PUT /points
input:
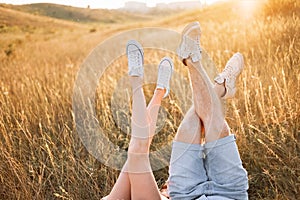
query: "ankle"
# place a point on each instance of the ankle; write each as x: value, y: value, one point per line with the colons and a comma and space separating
x: 160, y: 92
x: 136, y: 82
x: 220, y: 89
x: 139, y: 145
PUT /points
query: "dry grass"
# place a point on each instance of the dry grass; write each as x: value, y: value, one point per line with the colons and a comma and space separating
x: 43, y: 158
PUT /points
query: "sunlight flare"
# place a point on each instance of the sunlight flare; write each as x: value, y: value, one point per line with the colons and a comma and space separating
x: 248, y: 7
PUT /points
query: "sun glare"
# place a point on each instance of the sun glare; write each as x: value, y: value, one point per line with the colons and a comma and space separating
x: 248, y: 7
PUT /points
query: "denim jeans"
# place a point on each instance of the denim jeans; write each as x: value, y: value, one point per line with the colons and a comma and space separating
x: 212, y: 171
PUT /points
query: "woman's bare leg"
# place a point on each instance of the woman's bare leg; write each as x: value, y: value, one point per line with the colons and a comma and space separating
x: 138, y: 152
x: 143, y: 185
x: 136, y: 181
x: 153, y: 108
x: 122, y: 187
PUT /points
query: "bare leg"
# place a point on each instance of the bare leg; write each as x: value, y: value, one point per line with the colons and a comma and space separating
x: 153, y: 108
x: 143, y: 185
x: 220, y: 89
x: 189, y: 130
x: 136, y: 180
x: 207, y: 103
x: 122, y: 187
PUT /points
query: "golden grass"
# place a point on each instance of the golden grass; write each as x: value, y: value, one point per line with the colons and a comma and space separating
x: 42, y: 156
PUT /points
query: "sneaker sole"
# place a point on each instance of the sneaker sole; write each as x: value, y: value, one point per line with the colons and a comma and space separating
x: 241, y: 58
x: 169, y: 60
x: 190, y: 27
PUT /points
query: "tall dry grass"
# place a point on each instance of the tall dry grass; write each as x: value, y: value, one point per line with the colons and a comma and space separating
x: 42, y: 156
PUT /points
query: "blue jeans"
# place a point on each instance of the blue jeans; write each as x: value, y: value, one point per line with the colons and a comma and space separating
x: 212, y: 171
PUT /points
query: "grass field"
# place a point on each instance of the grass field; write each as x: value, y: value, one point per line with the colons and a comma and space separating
x: 41, y: 155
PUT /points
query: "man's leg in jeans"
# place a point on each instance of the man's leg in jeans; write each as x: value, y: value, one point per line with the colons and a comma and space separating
x: 187, y: 171
x: 222, y: 162
x: 188, y: 178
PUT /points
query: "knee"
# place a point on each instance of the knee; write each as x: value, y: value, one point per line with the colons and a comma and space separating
x: 189, y: 132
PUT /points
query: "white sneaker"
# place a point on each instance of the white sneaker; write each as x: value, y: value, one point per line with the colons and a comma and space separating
x: 229, y: 75
x: 165, y: 70
x: 135, y: 55
x: 190, y: 42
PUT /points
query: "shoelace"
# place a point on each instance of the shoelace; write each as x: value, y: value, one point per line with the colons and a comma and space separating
x: 191, y: 43
x: 164, y: 75
x: 198, y: 43
x: 135, y: 58
x: 228, y: 71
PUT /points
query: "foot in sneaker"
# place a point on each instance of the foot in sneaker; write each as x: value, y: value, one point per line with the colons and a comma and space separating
x: 228, y: 76
x: 190, y: 43
x: 135, y: 55
x: 165, y: 70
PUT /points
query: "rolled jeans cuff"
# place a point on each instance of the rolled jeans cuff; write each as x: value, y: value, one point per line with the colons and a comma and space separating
x: 220, y: 142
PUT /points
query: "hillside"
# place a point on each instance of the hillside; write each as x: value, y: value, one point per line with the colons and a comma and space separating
x: 13, y: 21
x: 39, y: 14
x: 82, y: 15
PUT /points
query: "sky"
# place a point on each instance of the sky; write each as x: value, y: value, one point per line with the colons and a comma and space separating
x: 110, y: 4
